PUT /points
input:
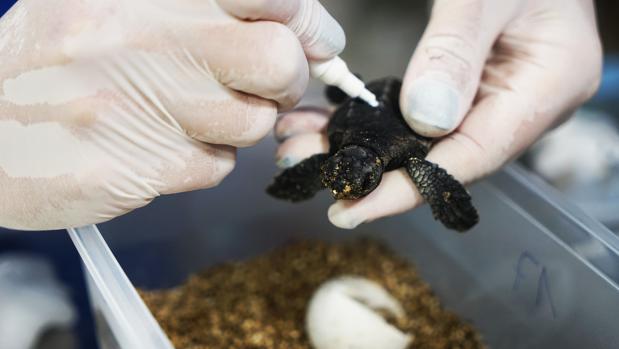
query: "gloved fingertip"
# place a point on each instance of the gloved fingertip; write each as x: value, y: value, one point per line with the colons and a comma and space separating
x: 343, y: 217
x: 320, y: 34
x: 301, y: 121
x: 432, y: 107
x: 286, y: 162
x: 331, y: 42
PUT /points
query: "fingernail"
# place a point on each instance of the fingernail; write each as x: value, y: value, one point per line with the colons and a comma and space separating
x: 432, y: 107
x: 281, y: 137
x: 286, y: 162
x: 342, y: 217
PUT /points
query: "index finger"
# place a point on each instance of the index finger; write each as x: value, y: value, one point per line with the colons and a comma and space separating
x: 320, y: 35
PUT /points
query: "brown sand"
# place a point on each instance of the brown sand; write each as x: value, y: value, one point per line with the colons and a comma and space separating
x: 261, y: 303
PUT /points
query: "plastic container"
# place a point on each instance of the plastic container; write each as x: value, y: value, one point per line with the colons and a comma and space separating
x: 535, y: 273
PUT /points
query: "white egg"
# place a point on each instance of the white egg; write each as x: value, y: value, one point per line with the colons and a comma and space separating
x: 341, y: 315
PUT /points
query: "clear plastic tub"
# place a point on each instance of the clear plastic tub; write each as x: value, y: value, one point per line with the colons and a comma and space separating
x: 535, y: 273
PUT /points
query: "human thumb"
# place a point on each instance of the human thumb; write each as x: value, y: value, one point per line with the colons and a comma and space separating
x: 444, y: 73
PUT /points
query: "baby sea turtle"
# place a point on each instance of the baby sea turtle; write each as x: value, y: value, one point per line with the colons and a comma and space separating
x: 364, y: 143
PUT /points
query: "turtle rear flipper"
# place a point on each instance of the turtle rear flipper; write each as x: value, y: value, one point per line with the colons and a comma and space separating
x: 448, y: 199
x: 299, y: 182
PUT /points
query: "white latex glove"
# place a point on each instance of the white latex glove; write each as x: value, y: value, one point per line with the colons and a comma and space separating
x: 496, y: 73
x: 105, y: 105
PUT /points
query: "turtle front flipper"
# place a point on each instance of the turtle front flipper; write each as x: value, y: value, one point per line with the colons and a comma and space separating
x: 448, y: 199
x: 299, y: 182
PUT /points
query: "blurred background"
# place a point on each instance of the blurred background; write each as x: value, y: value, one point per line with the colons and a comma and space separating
x: 580, y: 158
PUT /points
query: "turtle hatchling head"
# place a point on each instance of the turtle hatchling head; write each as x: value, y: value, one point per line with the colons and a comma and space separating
x: 352, y: 173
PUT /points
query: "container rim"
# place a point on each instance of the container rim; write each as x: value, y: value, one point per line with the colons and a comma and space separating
x: 580, y: 234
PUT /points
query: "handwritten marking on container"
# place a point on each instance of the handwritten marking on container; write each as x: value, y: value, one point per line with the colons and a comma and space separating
x: 543, y: 297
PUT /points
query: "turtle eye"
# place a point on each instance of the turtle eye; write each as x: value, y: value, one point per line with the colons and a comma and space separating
x: 372, y: 176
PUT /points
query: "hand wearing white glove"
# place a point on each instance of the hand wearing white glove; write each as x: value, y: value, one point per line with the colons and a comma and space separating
x: 491, y: 75
x: 105, y: 105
